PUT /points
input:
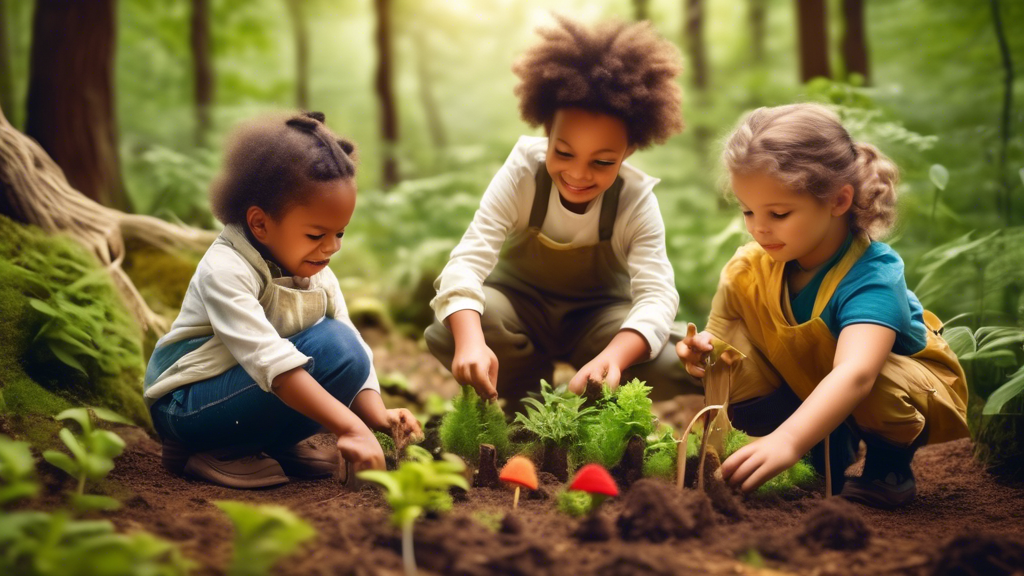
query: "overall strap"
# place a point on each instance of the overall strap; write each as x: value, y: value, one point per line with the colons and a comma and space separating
x: 540, y: 198
x: 609, y: 209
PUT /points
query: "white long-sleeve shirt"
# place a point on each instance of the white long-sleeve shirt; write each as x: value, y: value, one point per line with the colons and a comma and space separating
x: 638, y: 241
x: 225, y: 299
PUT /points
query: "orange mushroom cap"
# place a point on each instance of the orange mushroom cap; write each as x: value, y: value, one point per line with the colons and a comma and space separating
x: 519, y: 470
x: 594, y: 479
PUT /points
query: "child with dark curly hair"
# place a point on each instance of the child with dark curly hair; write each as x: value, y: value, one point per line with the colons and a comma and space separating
x: 263, y: 353
x: 565, y: 259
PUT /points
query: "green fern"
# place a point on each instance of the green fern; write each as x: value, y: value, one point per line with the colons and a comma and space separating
x: 473, y: 422
x: 556, y: 417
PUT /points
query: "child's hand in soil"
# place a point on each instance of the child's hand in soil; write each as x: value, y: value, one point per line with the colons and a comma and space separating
x: 760, y: 461
x: 361, y: 448
x: 405, y: 429
x: 692, y: 349
x: 600, y: 370
x: 476, y: 365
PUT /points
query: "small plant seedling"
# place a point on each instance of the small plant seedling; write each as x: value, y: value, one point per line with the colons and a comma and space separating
x: 595, y: 480
x: 660, y: 455
x: 43, y: 544
x: 521, y: 473
x: 473, y: 422
x: 619, y: 416
x: 264, y: 535
x: 93, y: 454
x: 420, y: 483
x: 574, y: 503
x: 17, y: 468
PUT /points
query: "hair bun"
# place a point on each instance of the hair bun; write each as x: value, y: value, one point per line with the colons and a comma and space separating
x: 347, y: 147
x: 318, y: 116
x: 303, y: 123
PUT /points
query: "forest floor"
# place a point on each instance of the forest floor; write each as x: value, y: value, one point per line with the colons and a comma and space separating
x: 800, y: 534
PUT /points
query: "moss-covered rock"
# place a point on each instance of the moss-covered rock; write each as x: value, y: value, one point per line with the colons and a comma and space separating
x: 66, y: 336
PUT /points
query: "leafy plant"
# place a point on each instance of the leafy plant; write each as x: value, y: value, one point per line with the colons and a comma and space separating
x: 42, y: 544
x: 574, y: 502
x: 556, y: 416
x: 473, y: 422
x: 264, y: 535
x: 661, y: 455
x: 92, y: 454
x: 619, y: 416
x: 419, y: 484
x: 17, y: 467
x: 988, y: 355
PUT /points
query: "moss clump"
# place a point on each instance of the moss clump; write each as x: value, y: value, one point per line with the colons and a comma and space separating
x: 620, y: 415
x: 661, y: 456
x: 66, y: 336
x: 473, y: 422
x: 574, y: 502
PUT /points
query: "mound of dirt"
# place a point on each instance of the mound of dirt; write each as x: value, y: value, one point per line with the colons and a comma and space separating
x: 655, y: 510
x: 835, y: 524
x: 981, y: 554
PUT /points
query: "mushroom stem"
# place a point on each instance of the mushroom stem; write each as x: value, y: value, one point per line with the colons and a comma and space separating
x: 515, y: 499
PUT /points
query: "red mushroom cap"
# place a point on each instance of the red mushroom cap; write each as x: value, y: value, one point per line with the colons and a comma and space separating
x: 520, y: 470
x: 594, y: 479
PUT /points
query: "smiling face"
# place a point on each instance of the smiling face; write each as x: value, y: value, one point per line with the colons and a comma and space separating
x: 585, y: 151
x: 792, y: 225
x: 308, y: 234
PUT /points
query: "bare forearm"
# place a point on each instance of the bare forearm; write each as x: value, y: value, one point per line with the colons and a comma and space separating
x: 627, y: 348
x: 466, y: 328
x: 300, y: 391
x: 369, y: 406
x: 828, y: 405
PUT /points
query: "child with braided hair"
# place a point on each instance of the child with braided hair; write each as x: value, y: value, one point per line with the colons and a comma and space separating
x: 263, y: 353
x: 835, y: 343
x: 565, y: 258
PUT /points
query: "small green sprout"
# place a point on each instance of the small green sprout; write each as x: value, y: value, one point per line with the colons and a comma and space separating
x: 473, y: 422
x: 94, y: 451
x: 620, y: 415
x: 17, y: 467
x: 574, y: 503
x: 264, y: 535
x: 661, y: 455
x: 556, y: 417
x: 420, y: 483
x: 42, y: 544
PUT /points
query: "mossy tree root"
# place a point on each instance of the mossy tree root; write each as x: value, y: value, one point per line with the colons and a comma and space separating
x: 33, y: 190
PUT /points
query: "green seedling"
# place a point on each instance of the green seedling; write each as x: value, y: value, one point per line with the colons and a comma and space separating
x: 419, y: 484
x: 574, y: 503
x: 42, y: 544
x: 264, y: 535
x: 619, y: 416
x: 92, y: 454
x: 473, y: 422
x: 556, y: 417
x: 17, y: 468
x: 660, y: 455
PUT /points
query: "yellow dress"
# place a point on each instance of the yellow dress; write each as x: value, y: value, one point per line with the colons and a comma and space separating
x: 751, y: 311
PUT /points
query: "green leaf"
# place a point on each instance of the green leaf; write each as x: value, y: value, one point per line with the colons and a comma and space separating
x: 998, y: 400
x: 89, y: 502
x: 1000, y: 358
x: 961, y: 340
x: 385, y: 479
x: 105, y: 443
x: 62, y: 461
x: 66, y: 357
x: 80, y: 415
x: 1021, y: 174
x: 108, y: 415
x: 71, y: 441
x: 43, y: 307
x: 17, y: 491
x: 939, y: 176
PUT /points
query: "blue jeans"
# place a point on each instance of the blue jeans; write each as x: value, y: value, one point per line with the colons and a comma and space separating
x: 230, y: 409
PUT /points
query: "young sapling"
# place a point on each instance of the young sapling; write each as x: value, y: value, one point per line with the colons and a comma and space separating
x: 93, y: 454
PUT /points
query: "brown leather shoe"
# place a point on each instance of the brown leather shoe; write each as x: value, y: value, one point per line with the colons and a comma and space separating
x: 228, y: 467
x: 307, y: 460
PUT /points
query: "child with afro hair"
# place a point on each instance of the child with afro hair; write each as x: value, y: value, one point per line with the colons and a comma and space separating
x: 565, y: 259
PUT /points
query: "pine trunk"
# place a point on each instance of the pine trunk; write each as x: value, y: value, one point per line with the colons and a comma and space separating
x: 812, y: 29
x: 855, y: 48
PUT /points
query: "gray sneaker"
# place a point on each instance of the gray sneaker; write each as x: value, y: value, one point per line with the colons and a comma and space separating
x: 227, y: 467
x: 307, y: 460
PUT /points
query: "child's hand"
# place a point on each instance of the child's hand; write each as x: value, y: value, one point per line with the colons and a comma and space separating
x: 404, y: 426
x: 760, y: 461
x: 361, y: 448
x: 691, y: 350
x: 601, y: 370
x: 476, y: 365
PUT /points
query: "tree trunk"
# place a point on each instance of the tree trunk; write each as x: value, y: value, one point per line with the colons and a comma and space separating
x: 384, y: 88
x: 812, y: 28
x: 33, y: 190
x: 640, y: 10
x: 71, y: 98
x: 756, y: 18
x: 1006, y: 205
x: 301, y: 32
x: 6, y: 82
x: 855, y: 48
x: 202, y: 65
x: 425, y: 78
x: 694, y: 35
